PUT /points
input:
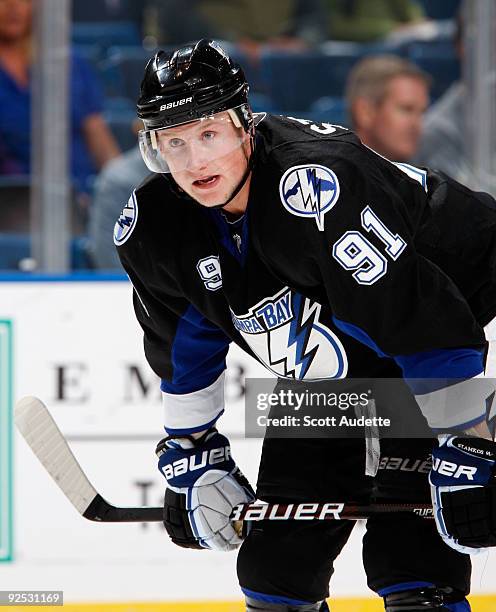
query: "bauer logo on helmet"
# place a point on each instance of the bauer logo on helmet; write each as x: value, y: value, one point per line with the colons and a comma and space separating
x: 176, y: 103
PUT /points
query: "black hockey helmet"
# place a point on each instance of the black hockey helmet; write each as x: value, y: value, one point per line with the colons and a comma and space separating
x: 191, y: 83
x: 195, y: 84
x: 191, y: 99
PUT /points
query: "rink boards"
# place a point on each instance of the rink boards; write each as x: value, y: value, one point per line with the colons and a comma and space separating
x: 78, y: 347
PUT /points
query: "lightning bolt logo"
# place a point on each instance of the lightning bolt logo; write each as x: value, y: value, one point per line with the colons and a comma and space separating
x: 310, y: 186
x: 299, y: 332
x: 126, y: 222
x: 296, y: 358
x: 309, y: 191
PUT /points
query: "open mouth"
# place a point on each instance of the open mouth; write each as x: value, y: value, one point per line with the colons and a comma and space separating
x: 208, y: 181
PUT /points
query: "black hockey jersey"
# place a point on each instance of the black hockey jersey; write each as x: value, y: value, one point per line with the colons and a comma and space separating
x: 339, y: 265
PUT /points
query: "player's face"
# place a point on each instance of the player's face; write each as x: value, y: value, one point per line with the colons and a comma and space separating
x: 207, y: 159
x: 396, y: 124
x: 15, y: 19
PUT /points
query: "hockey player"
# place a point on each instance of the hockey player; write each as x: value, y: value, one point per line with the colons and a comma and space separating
x: 245, y: 217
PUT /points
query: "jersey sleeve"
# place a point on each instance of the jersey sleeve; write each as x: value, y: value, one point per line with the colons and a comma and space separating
x: 363, y: 216
x: 183, y: 348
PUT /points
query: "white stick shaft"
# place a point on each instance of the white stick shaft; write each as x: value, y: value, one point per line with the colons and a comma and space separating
x: 40, y: 431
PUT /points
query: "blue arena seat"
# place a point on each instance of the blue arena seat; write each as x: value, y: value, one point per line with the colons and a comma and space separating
x: 294, y: 81
x: 260, y: 103
x: 446, y: 9
x: 331, y: 110
x: 122, y: 71
x: 106, y: 33
x: 93, y: 54
x: 80, y: 260
x: 119, y: 104
x: 438, y: 47
x: 16, y: 247
x: 107, y: 10
x: 121, y: 124
x: 251, y: 69
x: 13, y: 249
x: 444, y: 69
x: 322, y: 114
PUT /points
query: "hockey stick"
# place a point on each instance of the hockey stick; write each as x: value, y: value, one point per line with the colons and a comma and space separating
x: 47, y: 442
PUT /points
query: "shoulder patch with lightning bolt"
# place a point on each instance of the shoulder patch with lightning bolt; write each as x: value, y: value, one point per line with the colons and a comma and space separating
x: 309, y: 191
x: 126, y: 221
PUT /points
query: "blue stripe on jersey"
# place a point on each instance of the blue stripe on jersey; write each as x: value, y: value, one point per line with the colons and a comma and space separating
x: 277, y: 599
x: 437, y: 364
x: 198, y: 354
x: 356, y: 332
x: 429, y: 385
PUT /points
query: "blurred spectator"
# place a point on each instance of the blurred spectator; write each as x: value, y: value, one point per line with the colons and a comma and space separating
x: 442, y: 145
x: 370, y: 20
x: 92, y: 143
x: 251, y: 24
x: 112, y: 190
x: 387, y: 97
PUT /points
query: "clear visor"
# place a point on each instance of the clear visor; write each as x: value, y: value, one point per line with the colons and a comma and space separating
x: 192, y: 145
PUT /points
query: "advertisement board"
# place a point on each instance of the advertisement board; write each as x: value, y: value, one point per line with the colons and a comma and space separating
x: 78, y: 347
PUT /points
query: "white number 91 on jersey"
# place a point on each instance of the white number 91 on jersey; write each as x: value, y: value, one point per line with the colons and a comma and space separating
x: 354, y: 251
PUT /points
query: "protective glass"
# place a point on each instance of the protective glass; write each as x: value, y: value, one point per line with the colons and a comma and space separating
x: 192, y: 145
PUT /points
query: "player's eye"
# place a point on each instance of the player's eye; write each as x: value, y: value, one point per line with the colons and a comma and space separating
x: 208, y: 135
x: 175, y: 143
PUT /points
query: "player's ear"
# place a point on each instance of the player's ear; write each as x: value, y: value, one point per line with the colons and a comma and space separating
x: 363, y: 111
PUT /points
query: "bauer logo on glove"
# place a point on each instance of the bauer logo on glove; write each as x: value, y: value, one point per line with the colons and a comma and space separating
x: 172, y: 471
x: 203, y: 486
x: 447, y: 468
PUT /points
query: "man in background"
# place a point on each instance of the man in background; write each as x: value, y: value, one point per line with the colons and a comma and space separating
x: 387, y: 97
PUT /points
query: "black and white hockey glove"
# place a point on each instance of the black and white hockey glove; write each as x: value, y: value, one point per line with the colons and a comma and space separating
x: 203, y: 486
x: 463, y: 488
